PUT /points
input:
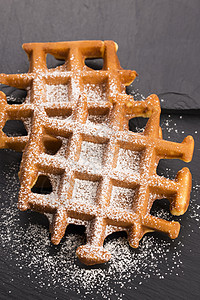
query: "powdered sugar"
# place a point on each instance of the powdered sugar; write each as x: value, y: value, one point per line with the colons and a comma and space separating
x: 85, y: 191
x: 29, y: 247
x: 57, y: 93
x: 122, y: 197
x: 92, y: 154
x: 128, y: 159
x: 95, y: 92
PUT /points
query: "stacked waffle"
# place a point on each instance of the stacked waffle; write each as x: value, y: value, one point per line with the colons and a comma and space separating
x: 103, y: 176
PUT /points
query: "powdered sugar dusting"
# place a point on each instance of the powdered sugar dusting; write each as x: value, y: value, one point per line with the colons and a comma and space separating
x: 92, y: 153
x: 57, y: 93
x: 85, y: 190
x: 29, y: 247
x: 128, y: 159
x: 69, y: 167
x: 122, y: 197
x: 95, y: 92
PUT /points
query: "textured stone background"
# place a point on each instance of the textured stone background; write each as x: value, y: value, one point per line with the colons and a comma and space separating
x: 159, y: 39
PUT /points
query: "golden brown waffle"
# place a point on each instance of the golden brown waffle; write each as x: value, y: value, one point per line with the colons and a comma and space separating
x: 103, y: 176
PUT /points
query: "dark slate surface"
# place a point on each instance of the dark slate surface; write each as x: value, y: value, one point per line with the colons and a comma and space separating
x: 160, y: 40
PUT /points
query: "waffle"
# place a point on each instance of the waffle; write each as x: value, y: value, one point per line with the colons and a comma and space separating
x: 103, y: 176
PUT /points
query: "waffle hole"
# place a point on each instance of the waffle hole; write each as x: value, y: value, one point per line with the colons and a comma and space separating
x: 169, y: 168
x: 94, y: 63
x: 14, y: 96
x: 52, y: 62
x: 138, y: 124
x: 42, y: 185
x: 129, y: 90
x: 14, y: 128
x: 161, y: 209
x: 115, y: 235
x: 52, y: 145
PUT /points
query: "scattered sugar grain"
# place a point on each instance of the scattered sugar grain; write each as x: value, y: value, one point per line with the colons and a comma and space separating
x: 30, y: 249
